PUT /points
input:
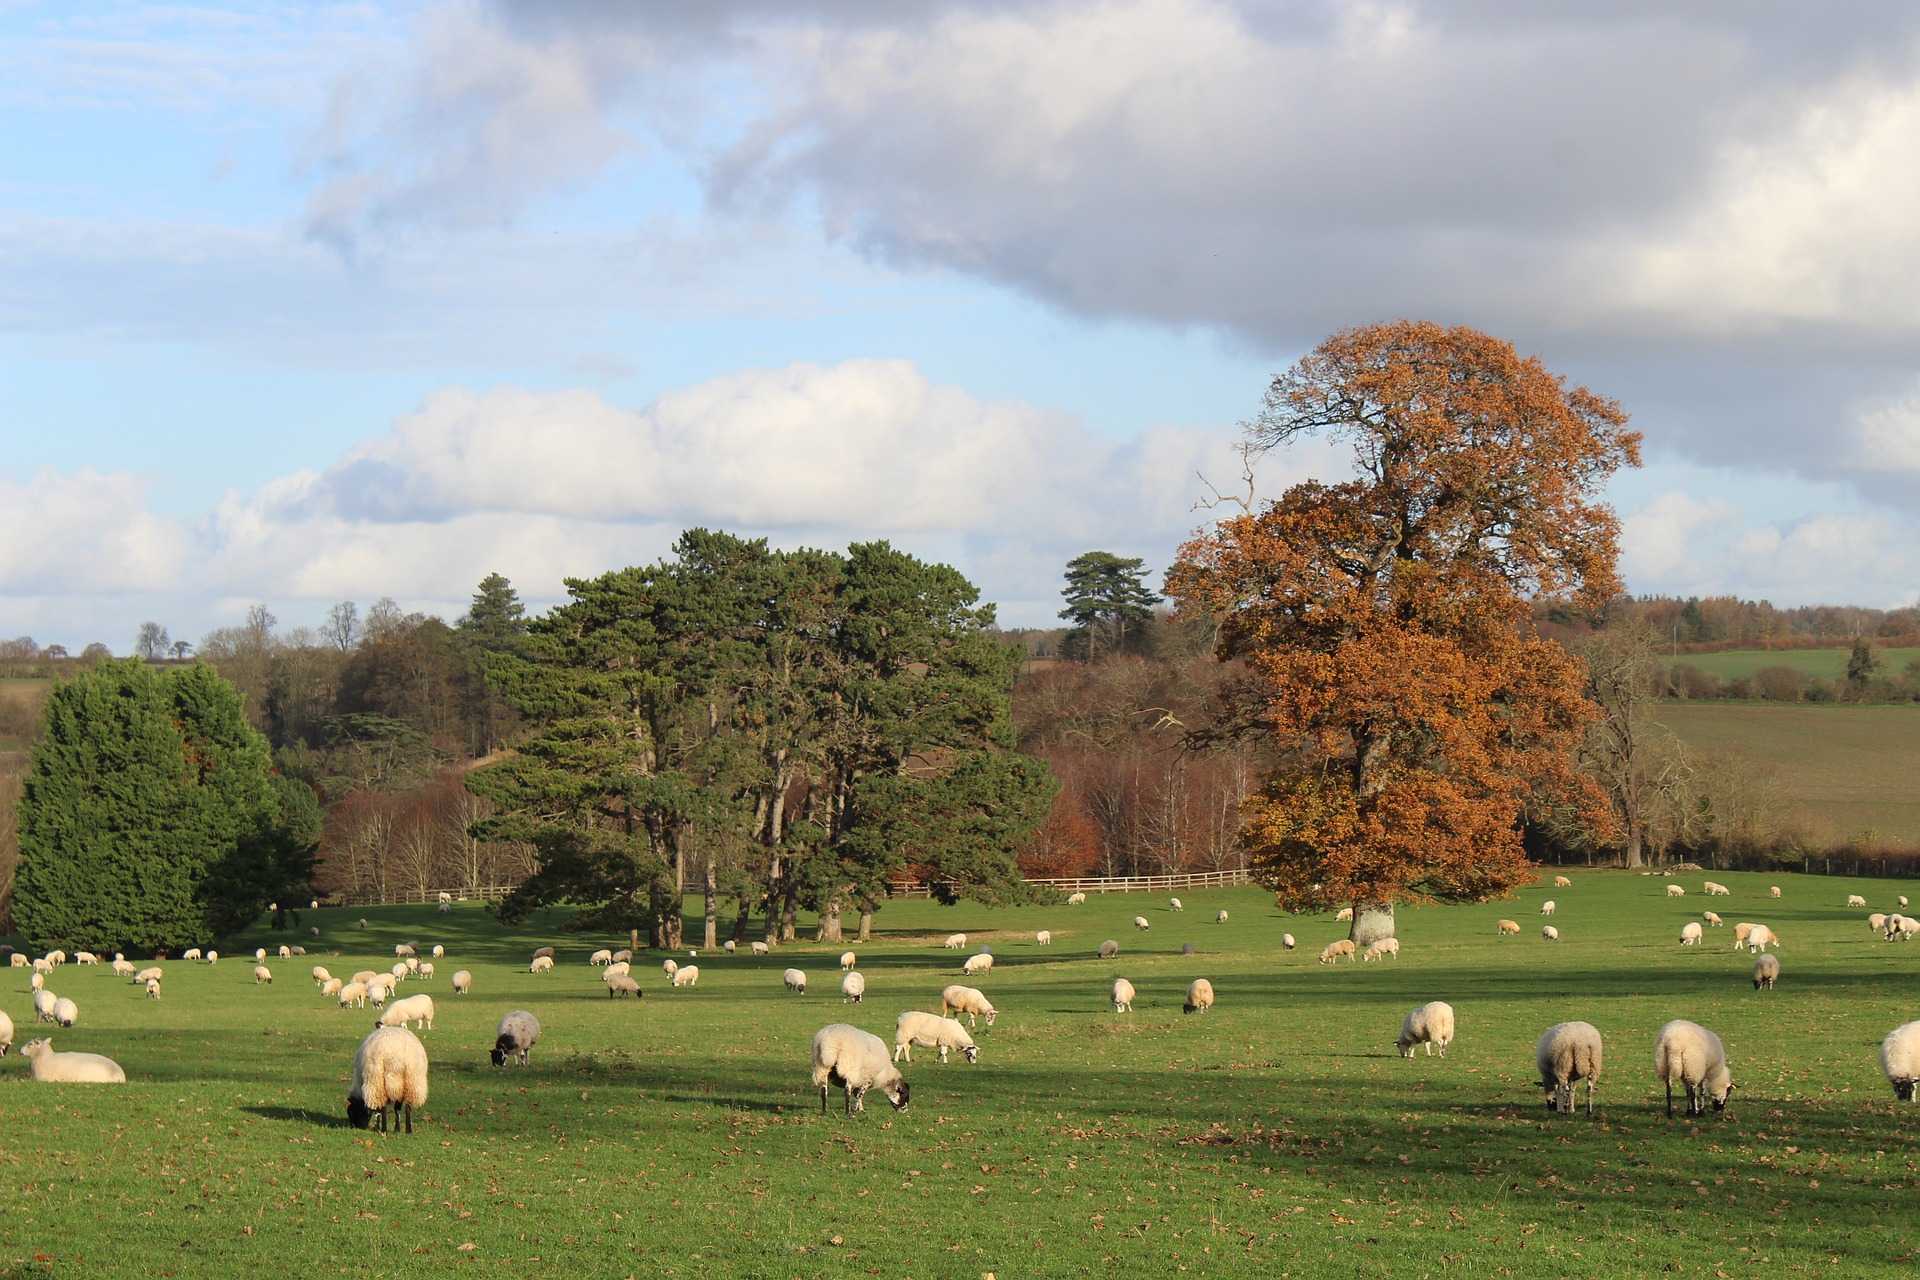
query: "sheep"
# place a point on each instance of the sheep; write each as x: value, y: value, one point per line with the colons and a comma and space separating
x: 1140, y: 923
x: 758, y: 948
x: 259, y: 954
x: 1044, y: 938
x: 153, y: 988
x: 56, y: 957
x: 857, y: 1061
x: 1199, y: 996
x: 43, y: 1002
x: 687, y: 975
x: 853, y: 987
x: 426, y: 968
x: 1346, y: 913
x: 1693, y: 1055
x: 314, y: 932
x: 462, y: 982
x: 1713, y: 890
x: 262, y: 974
x: 603, y: 956
x: 365, y: 975
x: 363, y: 922
x: 191, y: 953
x: 390, y: 1070
x: 1507, y: 926
x: 286, y: 952
x: 1568, y: 1053
x: 42, y: 966
x: 1902, y: 899
x: 1550, y: 933
x: 1761, y: 938
x: 413, y: 1009
x: 445, y: 896
x: 1382, y: 947
x: 70, y: 1068
x: 796, y: 981
x: 1109, y: 949
x: 1076, y: 899
x: 515, y: 1038
x: 1766, y: 971
x: 931, y: 1032
x: 1548, y: 907
x: 622, y: 956
x: 1123, y: 994
x: 1900, y: 1059
x: 37, y: 982
x: 621, y: 984
x: 1740, y: 932
x: 400, y: 972
x: 331, y: 987
x: 727, y: 946
x: 957, y: 1000
x: 1691, y: 934
x: 320, y: 975
x: 1907, y: 928
x: 65, y: 1012
x: 1673, y: 891
x: 151, y: 972
x: 669, y: 966
x: 353, y: 995
x: 1711, y: 917
x: 1431, y: 1024
x: 982, y: 963
x: 213, y: 957
x: 540, y: 952
x: 6, y: 1033
x: 1855, y: 900
x: 622, y: 966
x: 1176, y: 904
x: 955, y: 941
x: 87, y: 957
x: 1286, y: 940
x: 19, y: 960
x: 1342, y: 947
x: 1221, y: 918
x: 1877, y: 922
x: 403, y: 949
x: 1561, y: 882
x: 540, y: 964
x: 1773, y: 891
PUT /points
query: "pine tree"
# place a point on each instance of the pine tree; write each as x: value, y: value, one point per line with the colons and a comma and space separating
x: 1105, y: 595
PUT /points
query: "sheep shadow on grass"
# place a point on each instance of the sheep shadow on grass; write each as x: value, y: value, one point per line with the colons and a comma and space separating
x: 300, y: 1115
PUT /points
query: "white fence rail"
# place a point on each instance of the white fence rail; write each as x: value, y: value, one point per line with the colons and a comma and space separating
x: 393, y: 897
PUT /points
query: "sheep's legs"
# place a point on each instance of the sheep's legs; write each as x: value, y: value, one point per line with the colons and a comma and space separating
x: 409, y: 1116
x: 823, y: 1099
x: 1669, y: 1099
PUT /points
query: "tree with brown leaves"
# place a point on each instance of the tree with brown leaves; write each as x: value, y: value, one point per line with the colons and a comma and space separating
x: 1385, y: 620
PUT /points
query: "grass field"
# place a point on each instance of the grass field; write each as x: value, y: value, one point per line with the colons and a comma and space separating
x: 1735, y: 664
x: 1851, y: 769
x: 1278, y: 1135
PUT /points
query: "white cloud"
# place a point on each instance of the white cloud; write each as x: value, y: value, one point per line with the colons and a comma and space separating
x: 85, y: 533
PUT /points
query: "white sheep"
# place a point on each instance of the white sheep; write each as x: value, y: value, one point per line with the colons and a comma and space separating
x: 857, y: 1061
x: 462, y: 982
x: 213, y: 957
x: 957, y: 1000
x: 1044, y: 938
x: 413, y: 1009
x: 1902, y: 900
x: 853, y: 987
x: 1691, y: 933
x: 1109, y: 949
x: 1336, y: 949
x: 43, y: 1002
x: 541, y: 964
x: 153, y: 988
x: 151, y: 972
x: 603, y: 956
x: 687, y: 975
x: 848, y: 959
x: 37, y: 982
x: 259, y: 954
x: 56, y: 957
x: 1773, y: 891
x: 365, y: 975
x: 1877, y: 922
x: 1568, y: 1053
x: 622, y: 966
x: 1431, y: 1024
x: 121, y: 968
x: 955, y: 941
x: 1123, y: 994
x: 931, y: 1032
x: 1855, y: 900
x: 401, y: 949
x: 1900, y: 1059
x: 623, y: 956
x: 6, y: 1033
x: 1507, y: 926
x: 1766, y: 971
x: 796, y: 981
x: 286, y: 952
x: 70, y: 1068
x: 1761, y: 937
x: 758, y: 948
x: 87, y: 957
x: 515, y: 1037
x: 390, y: 1070
x: 262, y: 974
x: 42, y: 966
x: 621, y: 984
x: 439, y: 952
x: 1176, y: 904
x: 982, y: 963
x: 1716, y: 890
x: 1076, y: 899
x: 426, y: 968
x: 669, y: 966
x: 1673, y: 891
x: 1382, y: 947
x: 1740, y: 932
x: 1199, y: 996
x: 320, y: 975
x: 1286, y: 940
x: 1711, y: 917
x: 400, y: 971
x: 1547, y: 908
x: 65, y: 1011
x: 1346, y: 913
x: 1550, y: 933
x: 727, y: 946
x: 353, y: 995
x: 1561, y: 882
x: 191, y: 953
x: 1693, y: 1055
x: 331, y: 987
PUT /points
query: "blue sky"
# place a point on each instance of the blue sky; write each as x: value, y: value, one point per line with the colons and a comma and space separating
x: 304, y: 303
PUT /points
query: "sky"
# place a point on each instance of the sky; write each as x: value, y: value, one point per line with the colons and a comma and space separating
x: 310, y: 302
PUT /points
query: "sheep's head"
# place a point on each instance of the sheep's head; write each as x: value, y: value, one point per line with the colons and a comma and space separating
x: 359, y: 1114
x: 973, y: 1055
x: 991, y: 1015
x: 1902, y: 1089
x: 897, y: 1095
x: 500, y: 1051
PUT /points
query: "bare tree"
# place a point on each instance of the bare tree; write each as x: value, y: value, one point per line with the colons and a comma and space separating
x: 342, y: 628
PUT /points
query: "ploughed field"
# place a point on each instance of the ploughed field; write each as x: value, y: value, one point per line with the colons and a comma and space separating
x: 1279, y: 1134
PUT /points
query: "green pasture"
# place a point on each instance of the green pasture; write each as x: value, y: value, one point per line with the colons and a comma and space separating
x: 1278, y: 1135
x: 1830, y: 664
x: 1849, y: 769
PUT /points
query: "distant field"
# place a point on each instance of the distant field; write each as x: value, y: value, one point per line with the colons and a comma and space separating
x: 1850, y: 768
x: 19, y: 707
x: 1831, y: 664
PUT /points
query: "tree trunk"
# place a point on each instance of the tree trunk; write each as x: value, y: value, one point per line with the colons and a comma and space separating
x: 1635, y: 858
x: 1372, y: 921
x: 866, y: 919
x: 830, y: 923
x: 712, y: 936
x: 742, y: 920
x: 789, y: 911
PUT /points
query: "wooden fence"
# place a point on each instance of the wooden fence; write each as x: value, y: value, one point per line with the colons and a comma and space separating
x: 369, y: 898
x: 1112, y: 884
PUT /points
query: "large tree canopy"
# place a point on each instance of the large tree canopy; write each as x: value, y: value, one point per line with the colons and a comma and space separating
x: 1385, y: 619
x: 151, y: 816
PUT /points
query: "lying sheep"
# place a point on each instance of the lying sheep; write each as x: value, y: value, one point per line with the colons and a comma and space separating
x: 955, y: 941
x: 262, y: 974
x: 1711, y: 917
x: 931, y: 1032
x: 1431, y: 1024
x: 1693, y: 1055
x: 1548, y: 907
x: 982, y: 963
x: 1044, y: 938
x: 687, y: 975
x: 65, y: 1011
x: 1123, y: 994
x: 796, y: 981
x: 957, y: 1000
x: 1076, y: 899
x: 1286, y: 940
x: 515, y: 1037
x: 541, y: 964
x: 390, y: 1070
x: 1199, y: 996
x: 1568, y: 1053
x: 622, y: 984
x: 1382, y: 947
x: 1691, y: 933
x: 848, y: 959
x: 1109, y: 949
x: 1673, y: 891
x: 1766, y: 971
x: 853, y: 987
x: 1508, y: 926
x: 462, y: 982
x: 1561, y: 882
x: 70, y: 1068
x: 857, y: 1061
x: 1900, y: 1059
x: 1342, y: 947
x: 413, y: 1009
x: 1176, y: 904
x: 1550, y: 933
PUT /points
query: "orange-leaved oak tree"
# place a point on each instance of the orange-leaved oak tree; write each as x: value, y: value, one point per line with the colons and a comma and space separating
x: 1414, y: 716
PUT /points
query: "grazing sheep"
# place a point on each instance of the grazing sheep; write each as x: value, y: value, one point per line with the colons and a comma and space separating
x: 37, y: 982
x: 848, y: 959
x: 1691, y: 933
x: 1122, y: 996
x: 445, y: 896
x: 857, y: 1061
x: 462, y: 982
x: 796, y: 981
x: 543, y: 952
x: 320, y: 975
x: 151, y: 971
x: 982, y: 963
x: 331, y: 987
x: 758, y: 948
x: 931, y: 1032
x: 191, y: 953
x: 153, y: 988
x: 1673, y: 891
x: 1547, y: 908
x: 1076, y: 899
x: 65, y: 1012
x: 1176, y: 904
x: 1342, y: 947
x: 1761, y: 937
x: 286, y: 952
x: 390, y: 1070
x: 1740, y: 932
x: 687, y: 975
x: 70, y: 1068
x: 1140, y: 923
x: 413, y: 1009
x: 853, y: 987
x: 622, y: 956
x: 1199, y: 996
x: 1716, y: 890
x: 1855, y: 900
x: 1561, y: 882
x: 1382, y: 947
x: 515, y: 1038
x: 602, y: 956
x: 6, y: 1033
x: 19, y: 960
x: 621, y: 966
x: 669, y: 966
x: 259, y: 954
x: 1711, y: 917
x: 426, y: 968
x: 541, y: 964
x: 353, y: 995
x: 1346, y: 913
x: 1900, y: 1059
x: 1773, y: 891
x: 957, y: 1000
x: 365, y: 975
x: 1286, y: 940
x: 1109, y: 949
x: 87, y: 957
x: 262, y: 974
x: 955, y: 941
x: 42, y: 966
x: 621, y: 984
x: 213, y: 957
x: 1766, y: 971
x: 363, y: 922
x: 1902, y: 899
x: 1693, y: 1055
x: 1550, y: 933
x: 1221, y: 918
x: 1431, y: 1024
x: 401, y: 972
x: 43, y: 1002
x: 1508, y: 926
x: 1907, y: 927
x: 56, y: 957
x: 727, y: 946
x: 1044, y: 938
x: 121, y: 968
x: 1568, y: 1053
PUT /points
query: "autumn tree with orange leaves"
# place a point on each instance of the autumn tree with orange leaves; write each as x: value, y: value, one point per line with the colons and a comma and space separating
x: 1385, y: 624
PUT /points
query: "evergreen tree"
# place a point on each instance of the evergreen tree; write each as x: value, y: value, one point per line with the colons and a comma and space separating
x: 496, y: 621
x: 1861, y: 666
x: 1105, y: 595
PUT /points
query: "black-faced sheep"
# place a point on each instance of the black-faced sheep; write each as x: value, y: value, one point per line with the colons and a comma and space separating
x: 1900, y: 1059
x: 515, y: 1038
